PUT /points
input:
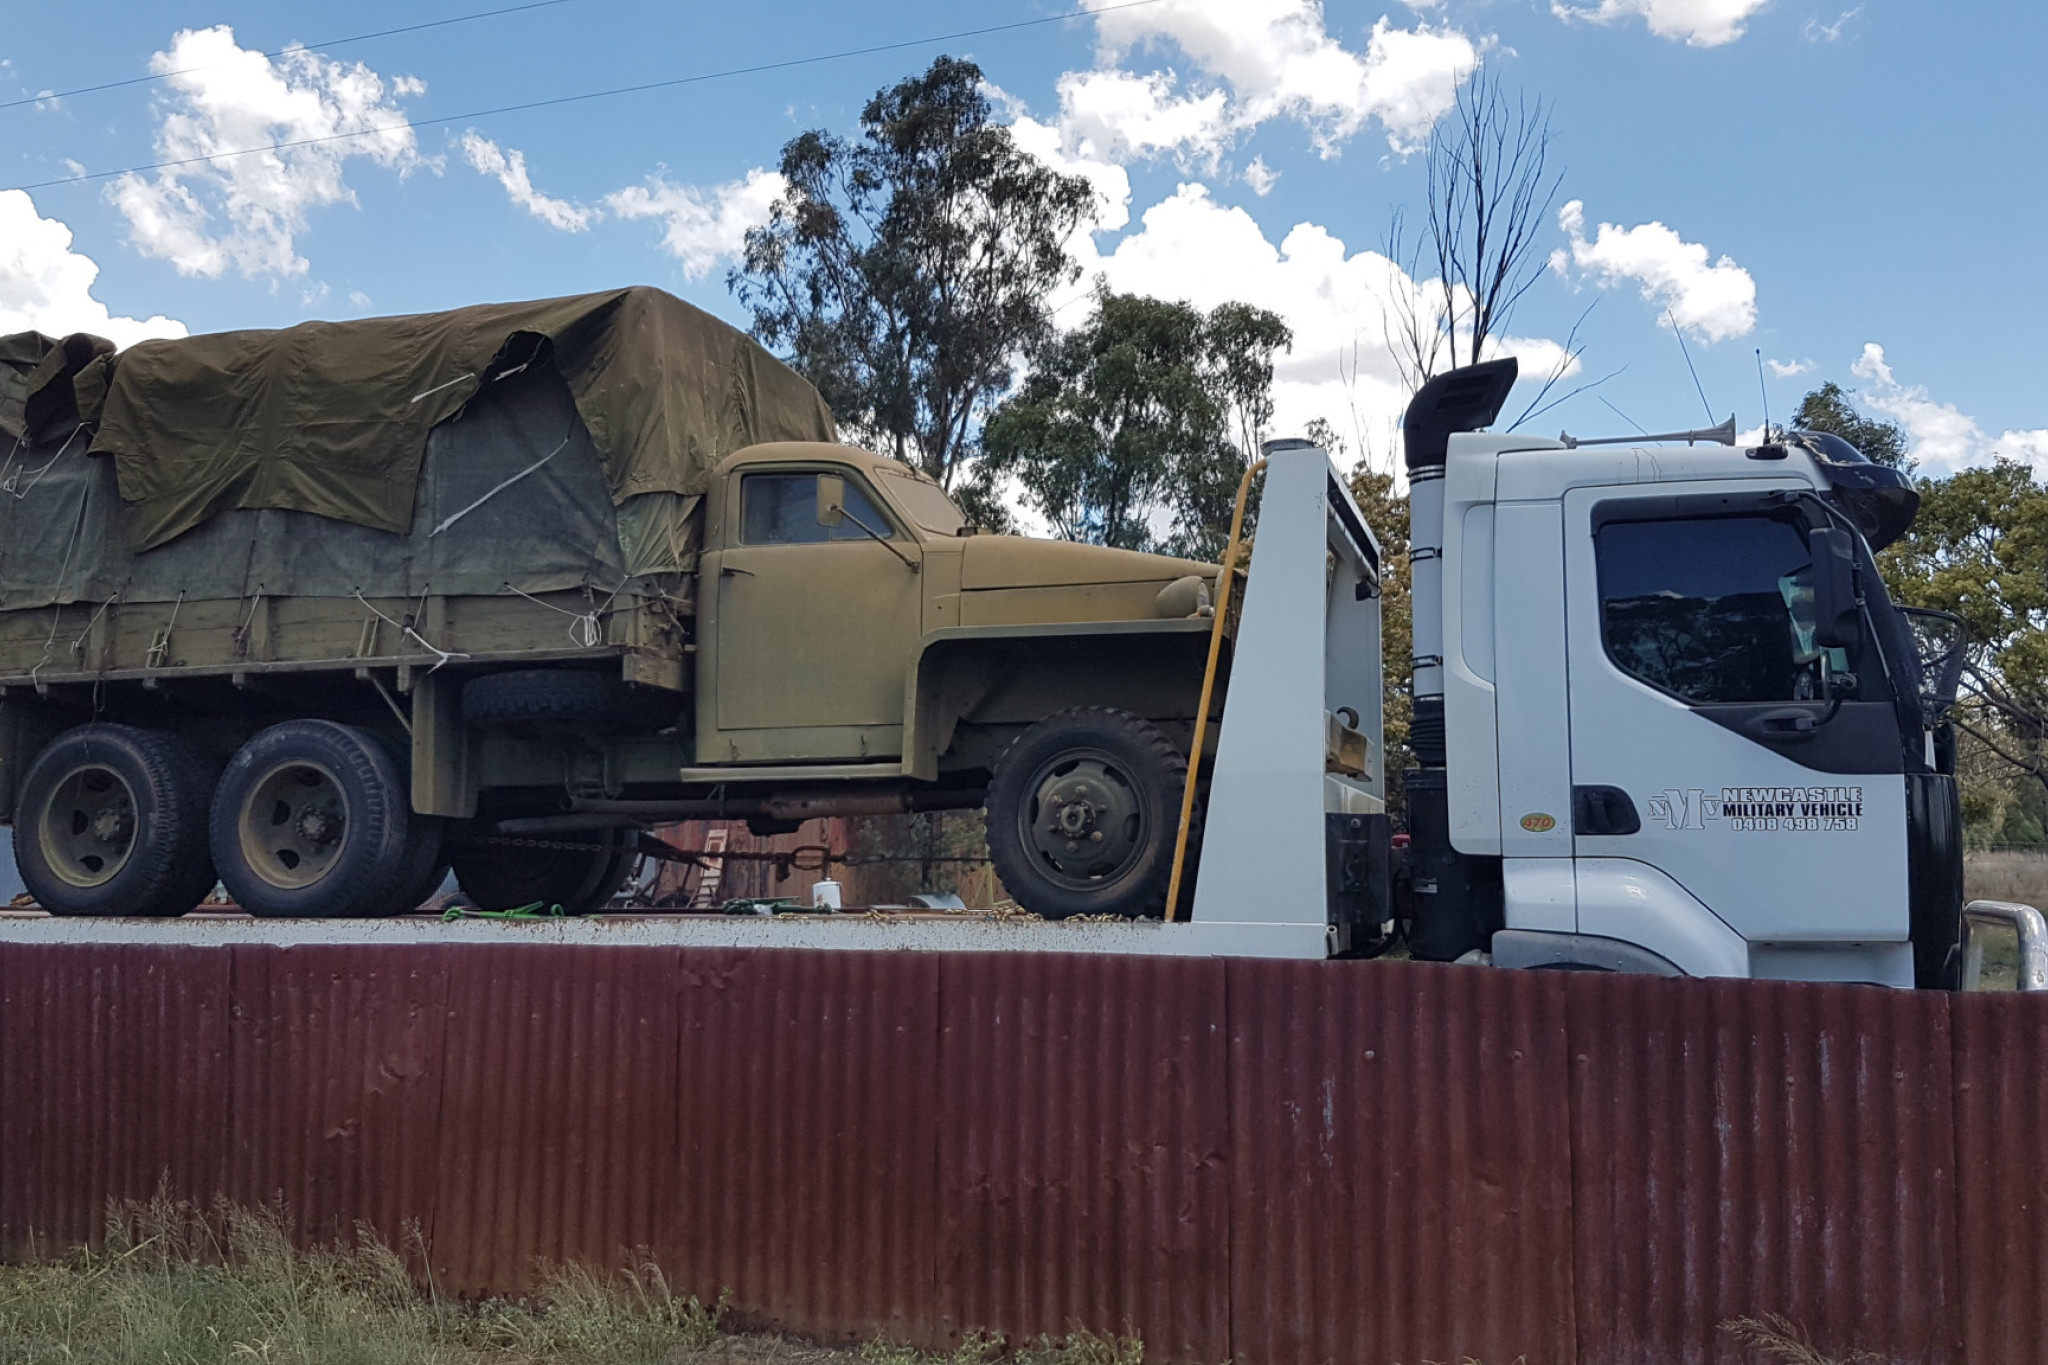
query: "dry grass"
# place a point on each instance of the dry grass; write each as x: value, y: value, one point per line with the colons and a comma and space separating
x: 982, y: 1348
x: 1778, y: 1338
x: 2006, y: 876
x: 172, y: 1285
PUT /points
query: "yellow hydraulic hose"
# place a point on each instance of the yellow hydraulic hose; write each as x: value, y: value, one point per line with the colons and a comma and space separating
x: 1224, y: 583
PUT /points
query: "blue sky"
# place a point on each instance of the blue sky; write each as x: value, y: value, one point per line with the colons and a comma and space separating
x: 1853, y: 190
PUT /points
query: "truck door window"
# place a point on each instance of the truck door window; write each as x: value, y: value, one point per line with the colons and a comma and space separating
x: 1713, y: 609
x: 782, y: 509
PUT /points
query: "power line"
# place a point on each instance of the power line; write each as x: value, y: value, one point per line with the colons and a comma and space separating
x: 332, y: 42
x: 594, y: 95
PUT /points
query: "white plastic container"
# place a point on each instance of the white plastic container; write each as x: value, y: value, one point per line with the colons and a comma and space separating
x: 825, y: 896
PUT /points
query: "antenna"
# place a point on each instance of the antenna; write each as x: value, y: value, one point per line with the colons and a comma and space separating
x: 1763, y: 394
x: 1687, y: 353
x: 1626, y: 418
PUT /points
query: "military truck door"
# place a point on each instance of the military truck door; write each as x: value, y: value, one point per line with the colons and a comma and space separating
x: 813, y: 625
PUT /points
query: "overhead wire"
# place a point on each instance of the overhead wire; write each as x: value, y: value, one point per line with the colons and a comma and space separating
x: 290, y: 47
x: 588, y: 95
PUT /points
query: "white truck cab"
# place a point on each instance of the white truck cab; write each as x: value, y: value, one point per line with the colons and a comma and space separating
x: 1667, y: 718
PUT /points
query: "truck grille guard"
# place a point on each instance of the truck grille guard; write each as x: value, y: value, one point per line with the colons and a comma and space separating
x: 2024, y: 920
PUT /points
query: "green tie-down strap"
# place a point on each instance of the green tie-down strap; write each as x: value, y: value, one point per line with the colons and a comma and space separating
x: 537, y: 910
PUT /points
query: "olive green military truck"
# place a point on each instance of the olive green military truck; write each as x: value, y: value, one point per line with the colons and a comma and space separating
x: 321, y: 612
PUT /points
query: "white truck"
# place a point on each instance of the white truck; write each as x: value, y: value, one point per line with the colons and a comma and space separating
x: 1667, y: 718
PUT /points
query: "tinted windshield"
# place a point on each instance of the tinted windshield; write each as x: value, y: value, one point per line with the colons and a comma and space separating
x: 926, y: 503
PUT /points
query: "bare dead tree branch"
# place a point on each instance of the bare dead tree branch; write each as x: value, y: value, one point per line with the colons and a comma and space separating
x: 1488, y: 189
x: 2032, y: 767
x: 1567, y: 356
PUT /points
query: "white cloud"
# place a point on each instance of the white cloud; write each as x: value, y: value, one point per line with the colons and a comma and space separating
x: 1814, y: 31
x: 1114, y: 114
x: 45, y: 286
x: 358, y: 299
x: 1111, y: 182
x: 1712, y: 300
x: 1940, y: 436
x: 246, y: 212
x: 1260, y: 176
x: 1699, y: 23
x: 1787, y: 369
x: 703, y: 227
x: 509, y: 169
x: 1278, y: 59
x: 1190, y: 247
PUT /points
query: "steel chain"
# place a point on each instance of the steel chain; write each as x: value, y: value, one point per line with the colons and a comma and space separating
x: 667, y: 854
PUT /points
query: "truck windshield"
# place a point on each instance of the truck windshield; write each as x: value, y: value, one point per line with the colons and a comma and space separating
x: 926, y: 503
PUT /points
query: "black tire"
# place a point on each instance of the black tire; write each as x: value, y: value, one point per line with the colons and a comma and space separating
x: 422, y: 866
x: 111, y: 820
x: 311, y: 820
x: 530, y: 697
x: 1082, y: 813
x: 580, y: 880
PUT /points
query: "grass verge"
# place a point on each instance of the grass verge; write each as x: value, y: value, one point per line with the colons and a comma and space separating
x: 175, y: 1286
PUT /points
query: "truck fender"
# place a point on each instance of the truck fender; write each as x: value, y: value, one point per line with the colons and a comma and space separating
x: 957, y: 665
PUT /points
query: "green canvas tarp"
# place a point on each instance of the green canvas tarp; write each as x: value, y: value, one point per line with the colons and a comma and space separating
x: 511, y: 498
x: 289, y: 475
x: 332, y: 418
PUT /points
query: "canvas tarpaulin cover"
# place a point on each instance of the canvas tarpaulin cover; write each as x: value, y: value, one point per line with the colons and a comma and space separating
x: 510, y: 493
x: 332, y: 418
x: 510, y: 497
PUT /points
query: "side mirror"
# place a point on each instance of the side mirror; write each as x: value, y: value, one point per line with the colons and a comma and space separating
x: 1837, y: 620
x: 831, y: 499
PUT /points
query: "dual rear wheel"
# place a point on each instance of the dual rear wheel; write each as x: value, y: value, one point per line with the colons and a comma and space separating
x: 310, y: 819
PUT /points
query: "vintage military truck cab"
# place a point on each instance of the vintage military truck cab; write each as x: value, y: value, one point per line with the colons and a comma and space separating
x: 860, y: 645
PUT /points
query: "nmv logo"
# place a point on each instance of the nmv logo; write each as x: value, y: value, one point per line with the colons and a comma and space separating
x: 1753, y: 808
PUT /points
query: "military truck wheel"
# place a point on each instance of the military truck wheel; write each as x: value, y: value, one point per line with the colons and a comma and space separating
x: 581, y: 880
x: 422, y: 867
x: 111, y: 820
x: 1082, y: 812
x: 527, y: 697
x: 311, y: 819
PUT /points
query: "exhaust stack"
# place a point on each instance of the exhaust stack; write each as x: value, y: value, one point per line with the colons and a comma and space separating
x: 1456, y: 898
x: 1466, y: 399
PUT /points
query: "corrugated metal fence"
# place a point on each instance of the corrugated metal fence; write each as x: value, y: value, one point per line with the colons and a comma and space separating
x: 1266, y: 1162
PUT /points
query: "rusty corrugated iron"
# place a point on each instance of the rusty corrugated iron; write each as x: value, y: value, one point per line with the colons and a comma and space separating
x: 810, y: 1120
x: 1746, y: 1148
x: 113, y: 1078
x: 1084, y: 1175
x: 337, y: 1057
x: 1275, y: 1163
x: 2001, y: 1117
x: 1402, y: 1188
x: 557, y: 1132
